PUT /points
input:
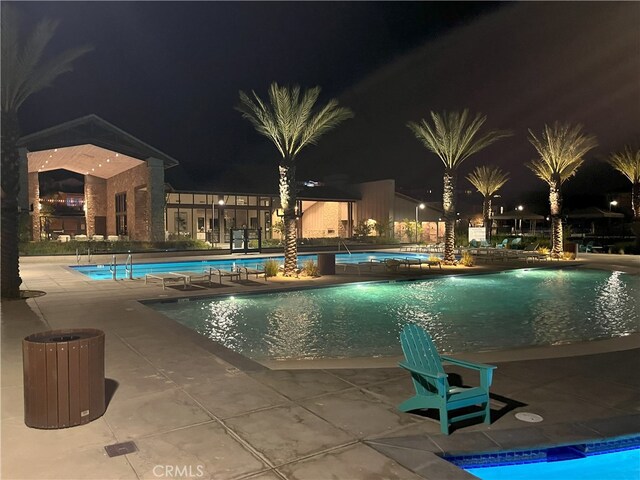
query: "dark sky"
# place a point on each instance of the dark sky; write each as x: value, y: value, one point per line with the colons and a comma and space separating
x: 169, y: 73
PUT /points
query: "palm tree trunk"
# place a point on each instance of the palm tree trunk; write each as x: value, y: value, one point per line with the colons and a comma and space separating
x: 9, y: 263
x: 486, y: 215
x: 635, y: 206
x: 555, y: 201
x: 449, y: 210
x: 288, y: 192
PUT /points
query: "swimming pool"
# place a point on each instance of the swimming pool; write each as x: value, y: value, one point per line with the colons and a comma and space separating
x: 102, y: 272
x: 615, y: 460
x: 463, y: 313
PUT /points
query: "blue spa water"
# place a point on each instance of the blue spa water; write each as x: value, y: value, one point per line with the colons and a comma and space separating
x: 464, y: 313
x: 624, y: 465
x: 102, y: 272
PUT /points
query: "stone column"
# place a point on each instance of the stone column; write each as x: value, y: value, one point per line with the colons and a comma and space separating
x: 95, y: 201
x: 33, y: 198
x: 155, y: 199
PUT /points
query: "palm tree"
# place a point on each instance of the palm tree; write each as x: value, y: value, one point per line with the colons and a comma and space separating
x: 291, y: 123
x: 627, y: 163
x: 453, y: 141
x: 487, y: 181
x: 25, y: 71
x: 561, y: 149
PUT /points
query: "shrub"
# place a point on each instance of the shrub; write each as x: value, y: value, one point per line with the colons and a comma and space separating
x: 271, y: 267
x: 310, y: 269
x: 467, y: 259
x: 362, y: 229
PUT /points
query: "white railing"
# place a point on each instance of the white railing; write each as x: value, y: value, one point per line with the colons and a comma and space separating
x: 128, y: 267
x: 345, y: 246
x: 113, y: 268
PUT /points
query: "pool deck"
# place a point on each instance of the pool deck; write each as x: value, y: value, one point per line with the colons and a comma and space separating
x: 191, y: 405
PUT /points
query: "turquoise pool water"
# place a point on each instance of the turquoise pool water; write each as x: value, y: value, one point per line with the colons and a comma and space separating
x: 624, y: 465
x: 102, y: 272
x: 463, y: 313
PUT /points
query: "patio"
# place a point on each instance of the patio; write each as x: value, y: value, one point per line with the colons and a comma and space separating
x: 195, y: 410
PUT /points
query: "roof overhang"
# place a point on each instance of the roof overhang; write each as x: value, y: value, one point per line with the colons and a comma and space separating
x: 82, y: 159
x: 93, y: 131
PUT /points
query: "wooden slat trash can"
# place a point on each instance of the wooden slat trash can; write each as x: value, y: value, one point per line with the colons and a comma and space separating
x: 63, y: 377
x: 327, y: 263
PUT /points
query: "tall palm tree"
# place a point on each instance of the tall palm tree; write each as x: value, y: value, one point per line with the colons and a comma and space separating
x: 561, y: 149
x: 25, y: 71
x: 453, y: 140
x: 627, y: 163
x: 487, y: 181
x: 290, y: 121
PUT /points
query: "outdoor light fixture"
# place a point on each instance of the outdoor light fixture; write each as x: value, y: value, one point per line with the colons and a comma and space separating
x: 520, y: 208
x: 612, y: 203
x: 421, y: 207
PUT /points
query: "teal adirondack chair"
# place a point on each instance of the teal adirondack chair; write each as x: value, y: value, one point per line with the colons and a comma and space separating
x: 503, y: 244
x: 431, y: 384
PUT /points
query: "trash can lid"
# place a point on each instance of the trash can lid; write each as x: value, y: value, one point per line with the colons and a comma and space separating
x: 67, y: 335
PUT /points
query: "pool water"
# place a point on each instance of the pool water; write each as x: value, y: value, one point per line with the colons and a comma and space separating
x: 103, y: 272
x: 623, y: 465
x: 506, y: 310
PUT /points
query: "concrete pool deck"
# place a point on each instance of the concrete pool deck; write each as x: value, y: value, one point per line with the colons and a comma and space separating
x: 194, y: 408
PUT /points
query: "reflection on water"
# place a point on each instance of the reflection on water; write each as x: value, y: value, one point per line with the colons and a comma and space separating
x: 467, y: 313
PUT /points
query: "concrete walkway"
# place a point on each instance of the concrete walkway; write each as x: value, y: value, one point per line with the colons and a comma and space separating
x: 196, y: 410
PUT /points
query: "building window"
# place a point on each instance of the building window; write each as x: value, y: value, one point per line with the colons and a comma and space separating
x: 121, y: 213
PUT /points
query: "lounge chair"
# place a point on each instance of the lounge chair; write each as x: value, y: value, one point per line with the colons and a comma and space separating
x: 224, y: 273
x: 253, y: 271
x: 424, y: 363
x: 194, y: 276
x: 165, y: 278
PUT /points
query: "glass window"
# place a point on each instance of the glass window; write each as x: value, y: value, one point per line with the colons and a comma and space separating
x: 253, y: 219
x: 186, y: 198
x: 241, y: 218
x: 173, y: 198
x: 199, y: 198
x: 229, y: 199
x: 242, y: 200
x: 121, y: 213
x: 253, y: 200
x: 265, y: 201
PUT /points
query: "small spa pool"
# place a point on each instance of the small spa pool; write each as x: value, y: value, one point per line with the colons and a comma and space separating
x: 519, y: 308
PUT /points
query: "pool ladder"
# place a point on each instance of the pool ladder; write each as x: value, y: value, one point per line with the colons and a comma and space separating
x: 79, y: 256
x: 128, y: 267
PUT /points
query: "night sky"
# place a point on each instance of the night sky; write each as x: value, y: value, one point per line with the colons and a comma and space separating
x: 169, y: 73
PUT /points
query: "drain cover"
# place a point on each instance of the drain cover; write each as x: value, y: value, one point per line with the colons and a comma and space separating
x: 529, y: 417
x: 118, y: 449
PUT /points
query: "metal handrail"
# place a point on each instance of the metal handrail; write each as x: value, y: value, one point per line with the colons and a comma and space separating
x: 345, y: 246
x: 113, y: 267
x: 77, y: 256
x: 88, y: 255
x: 128, y: 267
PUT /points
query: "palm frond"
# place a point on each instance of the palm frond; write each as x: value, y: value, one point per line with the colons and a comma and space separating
x: 488, y: 180
x: 452, y: 138
x: 561, y: 150
x: 627, y: 163
x: 289, y: 119
x: 24, y: 72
